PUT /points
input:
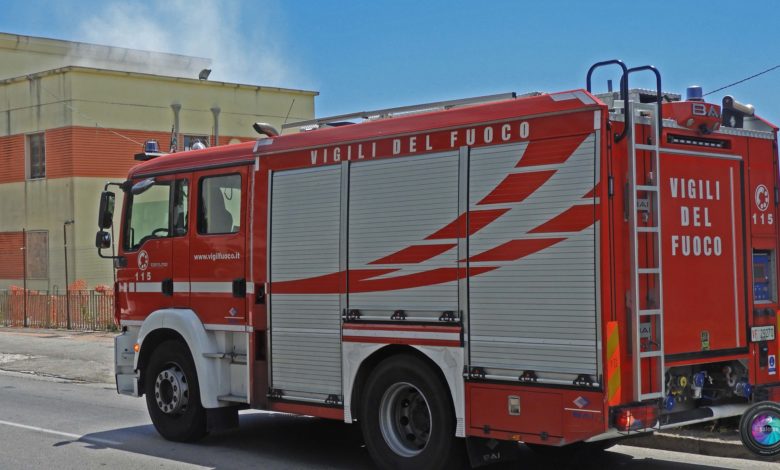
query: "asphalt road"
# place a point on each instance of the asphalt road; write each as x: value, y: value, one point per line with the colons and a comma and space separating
x: 53, y: 423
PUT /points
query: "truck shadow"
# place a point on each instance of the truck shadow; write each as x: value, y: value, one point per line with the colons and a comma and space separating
x: 276, y: 440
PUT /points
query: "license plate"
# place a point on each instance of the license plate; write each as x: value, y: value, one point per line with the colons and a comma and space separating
x: 762, y: 333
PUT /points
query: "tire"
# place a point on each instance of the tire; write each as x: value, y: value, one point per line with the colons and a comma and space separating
x: 172, y: 393
x: 759, y: 429
x: 407, y: 417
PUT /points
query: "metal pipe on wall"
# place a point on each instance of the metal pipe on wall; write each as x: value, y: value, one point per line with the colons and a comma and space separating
x: 24, y: 274
x: 176, y: 107
x: 215, y: 112
x: 67, y: 287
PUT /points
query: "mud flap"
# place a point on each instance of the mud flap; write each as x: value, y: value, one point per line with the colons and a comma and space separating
x: 124, y: 356
x: 489, y: 451
x: 221, y: 419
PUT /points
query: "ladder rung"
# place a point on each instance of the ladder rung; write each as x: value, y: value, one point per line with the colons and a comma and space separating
x: 651, y: 354
x: 646, y: 187
x: 647, y: 229
x: 648, y: 271
x: 653, y: 148
x: 651, y: 311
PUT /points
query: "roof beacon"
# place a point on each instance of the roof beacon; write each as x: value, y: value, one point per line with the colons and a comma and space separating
x: 694, y: 93
x: 151, y: 150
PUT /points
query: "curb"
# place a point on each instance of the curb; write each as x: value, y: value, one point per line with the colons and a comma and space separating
x: 696, y: 445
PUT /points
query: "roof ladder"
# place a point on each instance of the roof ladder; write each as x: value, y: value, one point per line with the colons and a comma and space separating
x: 343, y: 119
x: 646, y: 301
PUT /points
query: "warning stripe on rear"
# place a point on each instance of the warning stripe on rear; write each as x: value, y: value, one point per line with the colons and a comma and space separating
x: 613, y: 364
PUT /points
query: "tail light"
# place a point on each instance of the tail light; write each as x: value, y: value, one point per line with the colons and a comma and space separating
x: 634, y: 418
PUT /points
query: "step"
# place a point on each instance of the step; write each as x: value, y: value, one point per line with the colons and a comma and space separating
x: 235, y: 358
x: 233, y: 398
x: 648, y: 229
x: 646, y: 187
x: 648, y: 396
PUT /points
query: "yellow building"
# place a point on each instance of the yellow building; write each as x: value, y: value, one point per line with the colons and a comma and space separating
x: 72, y: 115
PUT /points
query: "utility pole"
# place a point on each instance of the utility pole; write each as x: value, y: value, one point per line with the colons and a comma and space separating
x: 67, y: 287
x: 24, y: 271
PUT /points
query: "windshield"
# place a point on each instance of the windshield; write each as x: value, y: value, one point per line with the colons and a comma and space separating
x: 147, y: 216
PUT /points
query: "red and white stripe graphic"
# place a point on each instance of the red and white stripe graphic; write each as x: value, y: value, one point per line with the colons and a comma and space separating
x: 536, y: 166
x: 422, y: 335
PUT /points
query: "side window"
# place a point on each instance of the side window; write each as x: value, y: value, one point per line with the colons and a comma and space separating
x: 219, y: 204
x: 181, y: 199
x: 148, y: 216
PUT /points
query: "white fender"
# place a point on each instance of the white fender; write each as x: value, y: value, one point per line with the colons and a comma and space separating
x: 449, y: 360
x: 186, y: 323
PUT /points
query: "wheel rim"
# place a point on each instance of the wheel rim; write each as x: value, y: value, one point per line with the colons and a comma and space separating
x: 765, y: 429
x: 405, y: 419
x: 171, y: 390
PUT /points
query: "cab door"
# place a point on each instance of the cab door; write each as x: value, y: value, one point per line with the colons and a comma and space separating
x: 218, y: 281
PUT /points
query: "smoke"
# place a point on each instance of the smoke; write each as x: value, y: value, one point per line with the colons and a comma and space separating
x: 201, y: 28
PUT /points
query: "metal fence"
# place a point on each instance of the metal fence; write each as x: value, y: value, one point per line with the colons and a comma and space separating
x: 89, y: 309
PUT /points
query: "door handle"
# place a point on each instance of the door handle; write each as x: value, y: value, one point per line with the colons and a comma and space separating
x: 239, y: 288
x: 167, y: 287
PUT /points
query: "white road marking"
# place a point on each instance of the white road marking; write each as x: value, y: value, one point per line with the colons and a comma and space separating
x: 68, y: 435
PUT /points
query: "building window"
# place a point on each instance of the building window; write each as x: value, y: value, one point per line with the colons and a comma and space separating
x: 37, y: 254
x: 219, y: 204
x: 36, y: 152
x: 189, y: 141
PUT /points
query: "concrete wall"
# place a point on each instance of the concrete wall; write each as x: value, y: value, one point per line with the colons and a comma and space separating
x: 38, y: 205
x: 90, y: 97
x: 94, y: 121
x: 22, y: 55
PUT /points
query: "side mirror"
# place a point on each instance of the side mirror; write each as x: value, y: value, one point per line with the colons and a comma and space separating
x: 106, y: 211
x: 102, y: 240
x: 142, y: 186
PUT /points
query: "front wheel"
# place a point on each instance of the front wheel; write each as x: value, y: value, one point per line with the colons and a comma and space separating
x: 759, y: 429
x: 172, y: 393
x: 407, y: 417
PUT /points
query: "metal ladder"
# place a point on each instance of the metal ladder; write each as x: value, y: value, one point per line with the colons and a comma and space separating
x: 650, y: 352
x: 645, y: 221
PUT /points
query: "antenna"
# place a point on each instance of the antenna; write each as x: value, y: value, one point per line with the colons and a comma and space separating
x: 288, y: 112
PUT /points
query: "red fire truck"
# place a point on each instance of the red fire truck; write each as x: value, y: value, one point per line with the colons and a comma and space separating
x: 557, y: 269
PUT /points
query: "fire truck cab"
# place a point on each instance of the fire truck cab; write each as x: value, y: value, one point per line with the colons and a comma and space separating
x: 557, y: 269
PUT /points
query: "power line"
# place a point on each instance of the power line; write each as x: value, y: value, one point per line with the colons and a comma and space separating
x: 97, y: 124
x: 743, y: 80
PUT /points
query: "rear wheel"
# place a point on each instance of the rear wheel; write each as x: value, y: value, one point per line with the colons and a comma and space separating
x: 759, y: 429
x: 407, y: 417
x: 172, y: 393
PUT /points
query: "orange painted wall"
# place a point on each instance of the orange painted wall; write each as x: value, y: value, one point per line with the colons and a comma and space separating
x: 82, y: 151
x: 12, y: 265
x: 11, y: 158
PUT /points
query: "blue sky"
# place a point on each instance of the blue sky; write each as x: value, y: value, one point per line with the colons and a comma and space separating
x: 374, y: 54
